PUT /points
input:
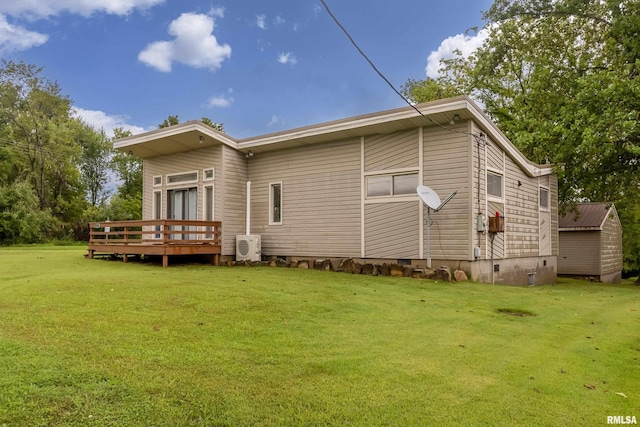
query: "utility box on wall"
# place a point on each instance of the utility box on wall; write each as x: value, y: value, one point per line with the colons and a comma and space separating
x: 496, y: 224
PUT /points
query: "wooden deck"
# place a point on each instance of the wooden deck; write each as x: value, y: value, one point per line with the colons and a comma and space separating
x: 163, y: 237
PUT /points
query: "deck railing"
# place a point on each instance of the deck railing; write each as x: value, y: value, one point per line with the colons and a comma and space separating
x: 155, y: 231
x: 156, y: 237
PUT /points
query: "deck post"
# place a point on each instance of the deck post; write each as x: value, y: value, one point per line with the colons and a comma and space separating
x: 124, y: 258
x: 91, y: 253
x: 165, y: 261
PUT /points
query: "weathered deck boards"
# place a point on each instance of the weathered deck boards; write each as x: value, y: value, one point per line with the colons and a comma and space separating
x: 163, y: 237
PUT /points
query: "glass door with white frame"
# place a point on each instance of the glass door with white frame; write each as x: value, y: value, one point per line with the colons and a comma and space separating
x: 182, y: 204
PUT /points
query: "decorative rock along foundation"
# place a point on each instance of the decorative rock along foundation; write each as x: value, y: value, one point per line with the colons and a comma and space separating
x: 351, y: 266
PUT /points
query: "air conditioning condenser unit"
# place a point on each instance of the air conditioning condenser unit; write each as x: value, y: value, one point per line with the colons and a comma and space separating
x: 248, y: 247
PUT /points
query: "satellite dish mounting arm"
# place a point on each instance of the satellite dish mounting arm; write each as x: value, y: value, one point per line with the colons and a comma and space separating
x: 445, y: 201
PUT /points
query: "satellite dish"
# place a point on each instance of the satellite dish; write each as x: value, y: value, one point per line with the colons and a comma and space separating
x: 431, y: 199
x: 428, y: 197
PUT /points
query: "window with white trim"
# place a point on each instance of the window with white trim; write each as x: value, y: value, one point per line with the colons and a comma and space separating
x: 391, y: 185
x: 544, y: 198
x: 275, y: 203
x: 157, y: 209
x: 182, y: 178
x: 208, y: 174
x: 208, y: 208
x: 494, y: 184
x: 157, y: 180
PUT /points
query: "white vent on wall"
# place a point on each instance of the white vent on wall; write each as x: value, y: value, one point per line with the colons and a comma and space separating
x: 248, y: 247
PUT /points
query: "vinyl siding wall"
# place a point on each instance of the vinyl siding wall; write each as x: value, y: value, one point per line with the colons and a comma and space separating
x: 519, y: 206
x: 611, y: 245
x: 447, y: 169
x: 195, y: 160
x: 495, y: 249
x: 392, y: 151
x: 392, y: 223
x: 320, y: 199
x: 392, y: 230
x: 234, y: 195
x: 326, y: 212
x: 522, y: 223
x: 553, y: 196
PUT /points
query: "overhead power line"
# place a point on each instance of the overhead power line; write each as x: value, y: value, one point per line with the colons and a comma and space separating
x: 364, y: 55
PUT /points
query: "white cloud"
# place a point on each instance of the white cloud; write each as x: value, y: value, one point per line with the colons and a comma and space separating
x: 261, y: 21
x: 317, y: 8
x: 38, y: 9
x: 287, y: 58
x: 194, y: 45
x: 279, y: 20
x: 465, y: 44
x: 220, y: 101
x: 263, y: 45
x: 101, y: 120
x: 275, y: 120
x: 217, y: 11
x: 14, y: 37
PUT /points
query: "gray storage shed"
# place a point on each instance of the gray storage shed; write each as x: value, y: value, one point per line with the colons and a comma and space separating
x: 591, y: 243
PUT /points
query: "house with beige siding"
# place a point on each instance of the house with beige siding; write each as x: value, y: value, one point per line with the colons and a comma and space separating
x: 591, y: 242
x: 347, y: 189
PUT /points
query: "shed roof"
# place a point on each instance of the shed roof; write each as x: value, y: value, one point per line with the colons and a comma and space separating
x: 588, y: 216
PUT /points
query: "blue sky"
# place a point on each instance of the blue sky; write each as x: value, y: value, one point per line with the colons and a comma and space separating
x: 255, y: 66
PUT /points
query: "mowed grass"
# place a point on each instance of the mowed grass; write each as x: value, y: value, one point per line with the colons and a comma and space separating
x: 95, y: 342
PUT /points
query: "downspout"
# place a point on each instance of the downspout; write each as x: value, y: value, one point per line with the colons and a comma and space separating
x: 247, y: 230
x: 248, y: 210
x: 480, y: 140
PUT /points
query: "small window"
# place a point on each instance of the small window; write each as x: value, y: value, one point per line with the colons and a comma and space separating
x: 275, y: 203
x: 157, y: 181
x: 494, y: 184
x: 208, y: 174
x: 157, y: 209
x: 405, y: 184
x: 208, y: 209
x: 544, y: 198
x: 379, y: 186
x: 391, y: 185
x: 182, y: 178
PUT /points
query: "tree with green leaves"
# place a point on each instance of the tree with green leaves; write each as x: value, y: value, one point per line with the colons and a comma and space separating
x: 94, y: 162
x: 169, y: 121
x: 128, y: 200
x: 561, y: 80
x: 21, y: 219
x: 173, y: 120
x: 38, y: 140
x: 38, y: 125
x: 217, y: 126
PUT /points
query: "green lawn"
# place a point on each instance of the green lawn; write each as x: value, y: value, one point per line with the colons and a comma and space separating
x: 95, y: 342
